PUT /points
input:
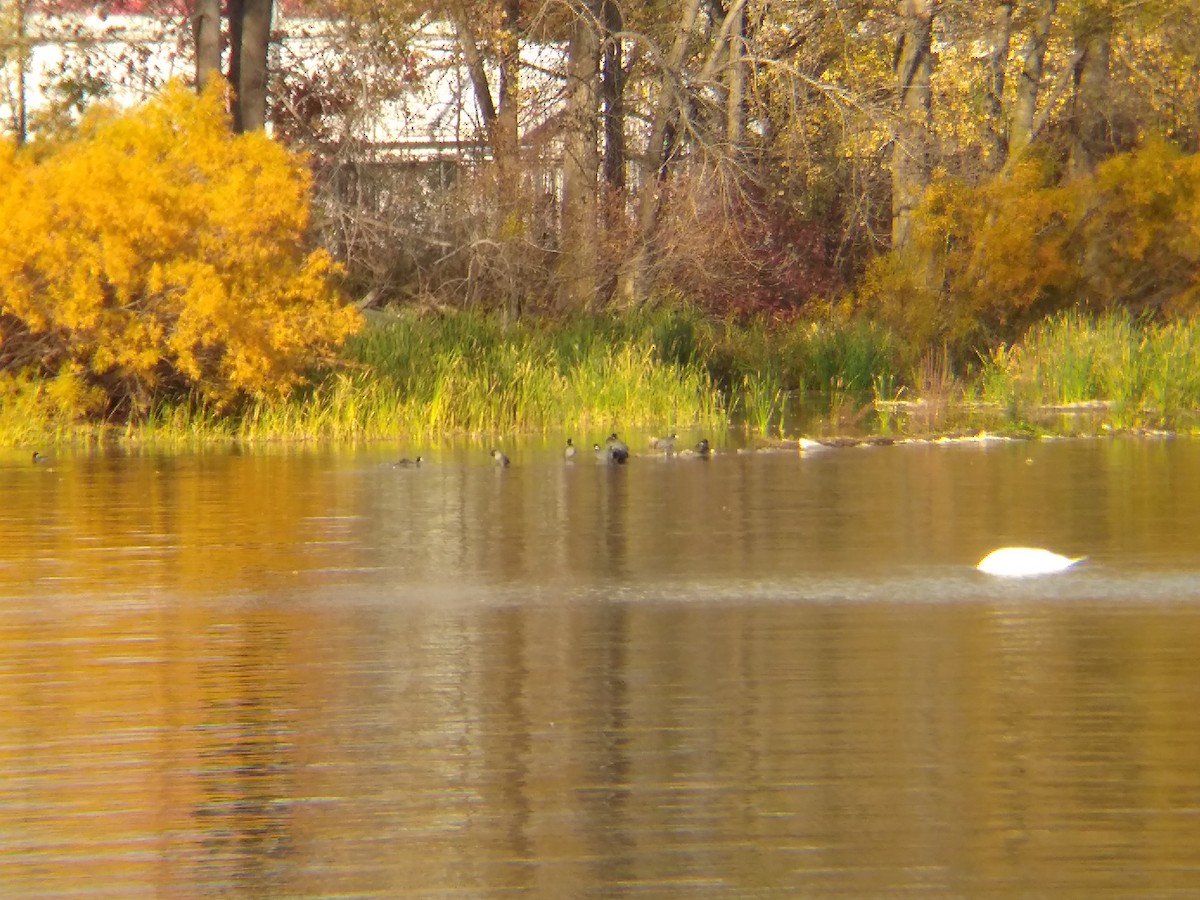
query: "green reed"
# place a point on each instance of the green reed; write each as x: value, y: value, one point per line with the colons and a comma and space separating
x: 1145, y: 371
x: 1173, y: 382
x: 472, y: 373
x: 758, y: 365
x: 762, y: 401
x: 851, y: 356
x: 434, y: 376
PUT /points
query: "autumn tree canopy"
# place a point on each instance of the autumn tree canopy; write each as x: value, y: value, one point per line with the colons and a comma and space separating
x: 569, y: 154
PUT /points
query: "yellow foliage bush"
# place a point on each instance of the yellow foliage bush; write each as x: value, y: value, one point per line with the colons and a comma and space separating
x: 982, y: 261
x: 987, y: 261
x: 1140, y: 231
x: 157, y: 253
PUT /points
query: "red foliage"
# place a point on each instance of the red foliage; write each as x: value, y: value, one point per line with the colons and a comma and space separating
x: 305, y: 113
x: 738, y: 253
x: 786, y: 265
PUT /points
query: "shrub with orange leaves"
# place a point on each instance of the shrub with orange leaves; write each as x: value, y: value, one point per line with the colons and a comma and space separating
x: 154, y: 253
x: 987, y: 261
x: 983, y: 262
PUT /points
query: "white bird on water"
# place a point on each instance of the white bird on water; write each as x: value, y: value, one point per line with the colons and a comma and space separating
x: 1013, y: 562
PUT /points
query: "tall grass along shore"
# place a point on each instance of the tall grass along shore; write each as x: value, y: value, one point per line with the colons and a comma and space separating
x: 432, y: 376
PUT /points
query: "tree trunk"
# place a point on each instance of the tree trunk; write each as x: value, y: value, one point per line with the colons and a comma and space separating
x: 577, y: 261
x: 506, y: 140
x: 634, y: 280
x: 910, y: 153
x: 735, y: 83
x: 1021, y: 128
x: 250, y: 38
x: 997, y: 63
x: 206, y: 26
x: 722, y: 49
x: 234, y: 10
x: 22, y: 54
x: 612, y: 93
x: 1091, y: 132
x: 499, y: 120
x: 469, y: 47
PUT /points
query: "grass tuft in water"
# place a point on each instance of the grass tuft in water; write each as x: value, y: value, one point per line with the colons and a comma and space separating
x: 762, y: 402
x: 1147, y: 373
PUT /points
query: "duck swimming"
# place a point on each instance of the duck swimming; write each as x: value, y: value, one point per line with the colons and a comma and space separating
x: 406, y: 462
x: 609, y: 454
x: 569, y: 451
x: 664, y: 443
x: 500, y: 458
x: 618, y: 449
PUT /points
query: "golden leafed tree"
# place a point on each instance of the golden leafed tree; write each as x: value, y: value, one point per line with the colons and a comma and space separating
x: 155, y: 253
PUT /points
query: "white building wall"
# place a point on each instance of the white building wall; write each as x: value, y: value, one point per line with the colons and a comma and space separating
x: 132, y: 56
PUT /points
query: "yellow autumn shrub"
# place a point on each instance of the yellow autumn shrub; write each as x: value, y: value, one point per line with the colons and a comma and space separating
x: 157, y: 253
x: 1139, y: 231
x: 983, y: 261
x: 986, y: 261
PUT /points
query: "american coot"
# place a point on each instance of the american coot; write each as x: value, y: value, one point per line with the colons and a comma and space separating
x: 607, y: 454
x: 664, y: 443
x: 617, y: 448
x: 406, y: 462
x: 569, y: 452
x: 500, y: 458
x: 702, y: 448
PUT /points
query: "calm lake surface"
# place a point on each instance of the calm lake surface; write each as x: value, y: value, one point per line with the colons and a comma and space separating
x: 303, y: 673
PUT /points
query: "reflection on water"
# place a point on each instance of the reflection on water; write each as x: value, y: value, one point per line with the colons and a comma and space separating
x: 307, y: 674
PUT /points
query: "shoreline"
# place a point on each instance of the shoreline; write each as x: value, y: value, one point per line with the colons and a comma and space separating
x: 114, y: 437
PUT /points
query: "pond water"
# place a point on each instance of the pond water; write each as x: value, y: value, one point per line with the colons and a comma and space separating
x: 303, y: 673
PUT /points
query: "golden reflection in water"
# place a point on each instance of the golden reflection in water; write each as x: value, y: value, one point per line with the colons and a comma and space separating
x: 155, y: 523
x: 766, y: 750
x: 138, y: 743
x: 225, y: 676
x: 217, y: 524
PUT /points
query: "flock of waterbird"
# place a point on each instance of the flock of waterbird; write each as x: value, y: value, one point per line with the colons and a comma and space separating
x: 1007, y: 562
x: 614, y: 451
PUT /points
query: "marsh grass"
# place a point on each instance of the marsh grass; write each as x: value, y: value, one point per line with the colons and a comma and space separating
x: 47, y: 411
x: 431, y: 377
x: 761, y: 367
x: 1146, y: 373
x: 762, y: 403
x: 472, y: 373
x: 848, y: 357
x: 1173, y: 382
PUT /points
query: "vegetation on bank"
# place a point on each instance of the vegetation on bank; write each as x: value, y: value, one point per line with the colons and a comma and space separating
x: 428, y: 377
x: 1146, y: 374
x: 986, y: 262
x: 157, y: 281
x: 436, y: 375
